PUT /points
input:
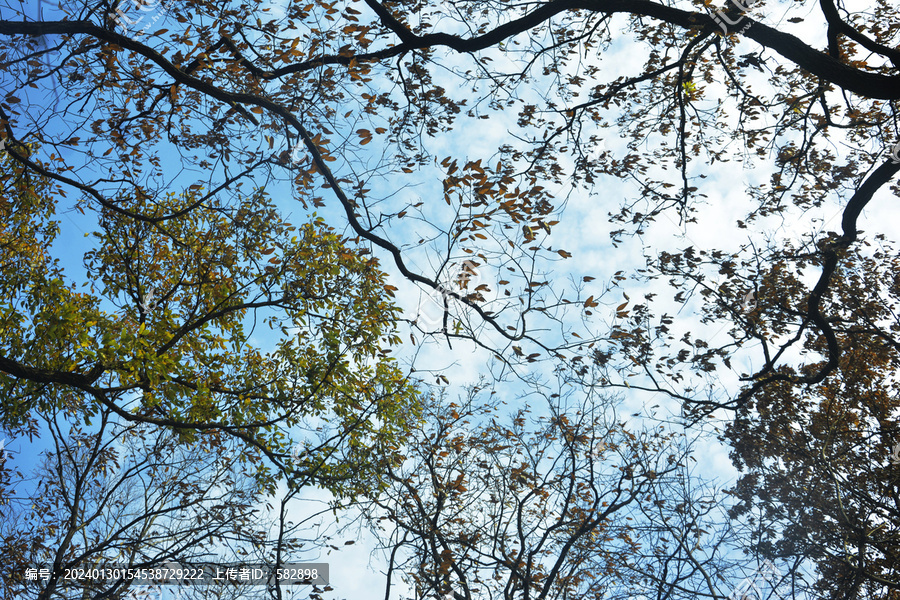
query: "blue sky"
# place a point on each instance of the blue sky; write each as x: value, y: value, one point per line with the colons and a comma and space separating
x: 583, y: 231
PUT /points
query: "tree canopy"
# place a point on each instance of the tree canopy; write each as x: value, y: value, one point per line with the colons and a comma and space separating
x: 516, y: 163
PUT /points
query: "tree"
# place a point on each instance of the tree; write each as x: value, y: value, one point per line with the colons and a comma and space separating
x: 242, y: 92
x: 125, y: 497
x: 264, y: 85
x: 821, y: 480
x: 495, y: 501
x: 162, y: 337
x: 162, y: 343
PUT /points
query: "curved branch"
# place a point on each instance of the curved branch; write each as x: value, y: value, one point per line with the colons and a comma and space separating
x: 818, y: 63
x: 857, y: 203
x: 871, y: 85
x: 839, y: 26
x: 232, y: 98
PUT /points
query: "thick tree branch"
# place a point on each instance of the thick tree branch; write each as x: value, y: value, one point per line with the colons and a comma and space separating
x: 231, y: 98
x: 882, y: 175
x: 866, y: 84
x: 841, y: 27
x: 870, y: 85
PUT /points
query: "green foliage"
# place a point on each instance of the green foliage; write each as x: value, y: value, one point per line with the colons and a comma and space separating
x: 165, y: 331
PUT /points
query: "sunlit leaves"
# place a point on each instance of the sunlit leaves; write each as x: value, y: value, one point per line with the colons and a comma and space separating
x: 166, y: 328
